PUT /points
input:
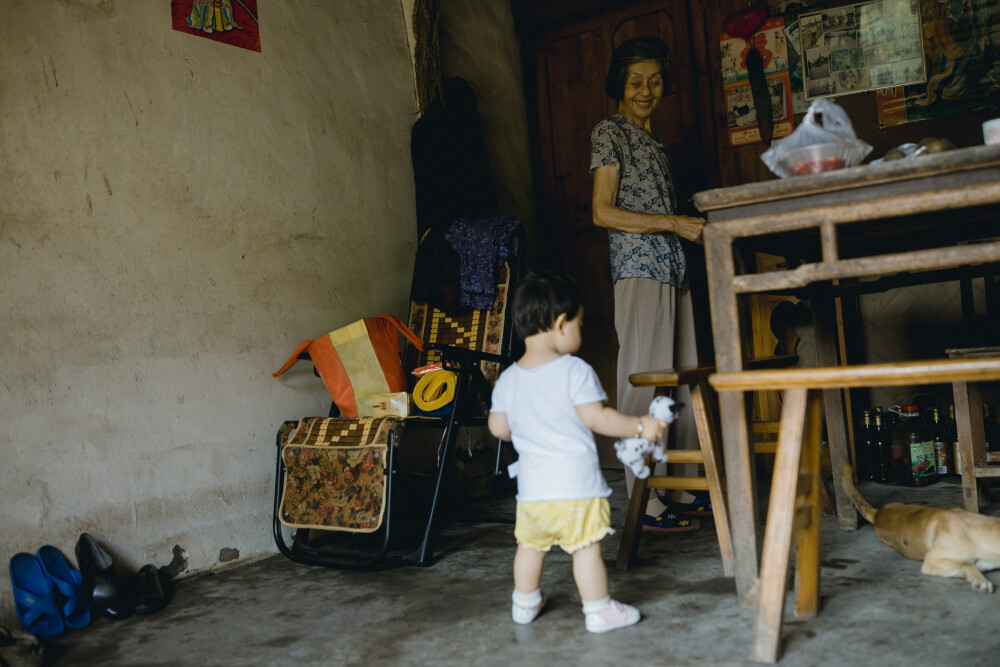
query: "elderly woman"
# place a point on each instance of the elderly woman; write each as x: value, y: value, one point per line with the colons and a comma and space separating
x: 635, y: 200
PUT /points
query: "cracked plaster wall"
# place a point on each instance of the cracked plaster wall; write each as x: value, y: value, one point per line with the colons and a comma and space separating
x: 176, y: 215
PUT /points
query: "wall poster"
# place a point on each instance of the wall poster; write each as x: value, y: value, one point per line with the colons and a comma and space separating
x: 228, y: 21
x: 961, y: 45
x: 740, y: 113
x: 861, y: 47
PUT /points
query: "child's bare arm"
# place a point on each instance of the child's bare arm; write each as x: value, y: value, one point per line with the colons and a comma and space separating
x: 498, y: 425
x: 605, y: 420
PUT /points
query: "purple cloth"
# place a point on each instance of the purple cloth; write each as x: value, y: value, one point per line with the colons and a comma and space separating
x: 482, y: 246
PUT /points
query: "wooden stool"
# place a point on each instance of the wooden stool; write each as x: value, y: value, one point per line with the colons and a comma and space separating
x: 794, y: 512
x: 971, y: 439
x: 707, y: 454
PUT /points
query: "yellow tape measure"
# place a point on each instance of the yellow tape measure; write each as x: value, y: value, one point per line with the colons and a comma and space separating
x: 434, y: 390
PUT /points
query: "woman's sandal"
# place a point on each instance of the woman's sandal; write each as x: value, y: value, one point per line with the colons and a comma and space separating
x: 69, y: 583
x: 699, y: 507
x: 668, y: 522
x: 34, y: 597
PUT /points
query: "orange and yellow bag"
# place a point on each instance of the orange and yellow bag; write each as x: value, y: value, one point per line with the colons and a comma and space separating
x: 358, y: 361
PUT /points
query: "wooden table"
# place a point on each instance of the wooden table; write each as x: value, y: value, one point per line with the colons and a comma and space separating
x: 867, y: 228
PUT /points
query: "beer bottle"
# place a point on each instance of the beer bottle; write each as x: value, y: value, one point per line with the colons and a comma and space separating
x: 883, y: 447
x: 942, y: 446
x: 990, y: 430
x: 953, y: 434
x: 862, y: 447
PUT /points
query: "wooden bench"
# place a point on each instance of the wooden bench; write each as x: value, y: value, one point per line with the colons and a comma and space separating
x: 707, y: 454
x: 794, y: 508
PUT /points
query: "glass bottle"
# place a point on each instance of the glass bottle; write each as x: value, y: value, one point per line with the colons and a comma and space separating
x: 882, y: 463
x: 862, y: 447
x: 953, y: 434
x: 990, y: 435
x: 912, y: 450
x: 888, y: 420
x: 942, y: 445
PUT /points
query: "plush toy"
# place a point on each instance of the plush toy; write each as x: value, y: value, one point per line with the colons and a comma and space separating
x: 632, y: 451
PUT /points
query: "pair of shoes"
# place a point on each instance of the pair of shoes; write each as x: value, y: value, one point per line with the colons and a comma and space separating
x: 668, y: 522
x: 152, y: 589
x: 107, y: 591
x: 146, y: 593
x: 35, y: 597
x: 701, y: 506
x: 525, y: 615
x: 615, y: 615
x: 48, y: 593
x: 69, y: 585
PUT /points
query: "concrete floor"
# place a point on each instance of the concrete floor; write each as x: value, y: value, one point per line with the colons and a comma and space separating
x: 877, y: 609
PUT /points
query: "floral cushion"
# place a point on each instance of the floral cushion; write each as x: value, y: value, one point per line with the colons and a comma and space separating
x: 335, y: 474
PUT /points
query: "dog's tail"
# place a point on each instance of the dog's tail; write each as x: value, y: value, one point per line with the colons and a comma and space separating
x: 867, y: 511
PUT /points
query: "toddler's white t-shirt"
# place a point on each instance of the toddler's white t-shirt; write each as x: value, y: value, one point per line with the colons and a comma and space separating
x: 557, y: 455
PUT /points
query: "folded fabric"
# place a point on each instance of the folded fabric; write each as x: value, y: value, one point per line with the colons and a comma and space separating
x: 482, y: 246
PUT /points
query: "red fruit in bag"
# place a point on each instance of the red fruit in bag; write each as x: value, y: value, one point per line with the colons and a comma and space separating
x: 816, y: 166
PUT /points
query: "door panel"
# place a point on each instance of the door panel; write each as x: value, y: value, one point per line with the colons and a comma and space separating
x: 572, y: 64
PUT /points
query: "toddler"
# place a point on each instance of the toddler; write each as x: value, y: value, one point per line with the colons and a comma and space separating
x: 548, y: 404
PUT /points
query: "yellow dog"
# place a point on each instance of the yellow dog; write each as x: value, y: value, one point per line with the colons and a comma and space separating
x: 951, y: 543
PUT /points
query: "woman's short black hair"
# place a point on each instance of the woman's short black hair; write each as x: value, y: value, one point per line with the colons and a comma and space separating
x: 539, y: 300
x: 631, y: 52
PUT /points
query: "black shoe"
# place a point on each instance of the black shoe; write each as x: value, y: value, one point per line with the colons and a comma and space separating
x: 152, y: 590
x: 107, y: 592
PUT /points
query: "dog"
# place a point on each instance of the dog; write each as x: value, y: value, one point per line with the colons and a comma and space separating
x: 951, y: 542
x: 632, y: 451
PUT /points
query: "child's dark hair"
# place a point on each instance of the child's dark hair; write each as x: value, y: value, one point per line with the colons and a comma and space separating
x: 539, y: 300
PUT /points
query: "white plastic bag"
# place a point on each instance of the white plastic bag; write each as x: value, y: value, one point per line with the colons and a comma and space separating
x: 817, y: 145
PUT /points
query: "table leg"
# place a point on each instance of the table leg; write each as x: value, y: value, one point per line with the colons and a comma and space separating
x: 825, y: 328
x: 780, y: 528
x: 735, y: 431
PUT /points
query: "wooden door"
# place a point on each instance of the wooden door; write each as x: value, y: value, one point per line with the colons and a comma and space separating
x: 571, y: 63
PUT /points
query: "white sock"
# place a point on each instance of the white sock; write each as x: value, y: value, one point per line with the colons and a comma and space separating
x: 595, y: 606
x: 527, y: 600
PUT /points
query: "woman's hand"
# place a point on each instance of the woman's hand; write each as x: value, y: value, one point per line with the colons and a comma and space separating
x: 688, y: 227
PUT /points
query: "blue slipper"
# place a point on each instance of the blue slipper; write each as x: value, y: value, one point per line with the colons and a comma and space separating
x: 34, y: 597
x: 69, y: 583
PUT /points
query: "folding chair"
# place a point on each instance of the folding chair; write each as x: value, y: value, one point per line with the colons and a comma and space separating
x: 340, y: 484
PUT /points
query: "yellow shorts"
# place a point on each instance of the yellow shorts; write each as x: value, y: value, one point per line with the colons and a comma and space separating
x: 571, y: 524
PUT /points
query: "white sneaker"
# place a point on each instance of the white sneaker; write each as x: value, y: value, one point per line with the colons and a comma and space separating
x: 615, y: 615
x: 525, y: 615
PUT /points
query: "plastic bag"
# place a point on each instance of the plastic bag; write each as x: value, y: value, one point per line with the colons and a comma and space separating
x: 817, y: 144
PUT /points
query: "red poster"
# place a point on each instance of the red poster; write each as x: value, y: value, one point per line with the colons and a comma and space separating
x: 741, y: 116
x: 228, y: 21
